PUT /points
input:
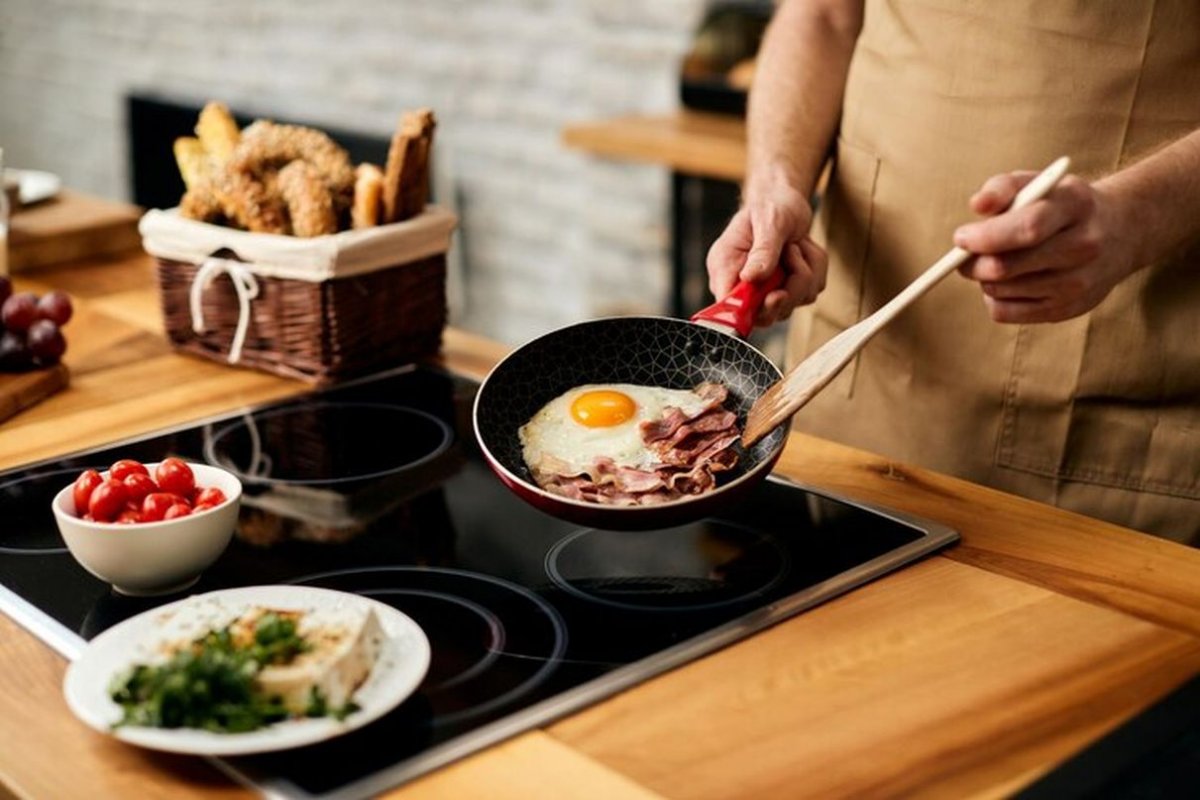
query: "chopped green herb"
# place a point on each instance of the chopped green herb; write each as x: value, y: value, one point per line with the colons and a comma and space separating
x: 316, y: 704
x: 211, y: 684
x: 341, y: 713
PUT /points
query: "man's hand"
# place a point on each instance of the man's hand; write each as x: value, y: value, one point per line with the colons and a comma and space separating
x: 1053, y: 260
x: 768, y: 233
x: 791, y: 118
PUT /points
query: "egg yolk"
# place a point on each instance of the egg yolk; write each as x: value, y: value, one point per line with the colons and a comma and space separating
x: 602, y: 408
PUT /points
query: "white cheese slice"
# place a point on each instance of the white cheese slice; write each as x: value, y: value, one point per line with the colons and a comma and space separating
x: 345, y: 646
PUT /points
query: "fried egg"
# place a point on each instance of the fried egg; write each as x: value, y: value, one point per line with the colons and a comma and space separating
x: 600, y: 420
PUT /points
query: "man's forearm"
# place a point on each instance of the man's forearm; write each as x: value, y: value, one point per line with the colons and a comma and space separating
x: 796, y: 99
x: 1160, y: 196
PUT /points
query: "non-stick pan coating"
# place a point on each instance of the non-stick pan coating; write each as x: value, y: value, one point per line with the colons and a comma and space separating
x: 653, y: 351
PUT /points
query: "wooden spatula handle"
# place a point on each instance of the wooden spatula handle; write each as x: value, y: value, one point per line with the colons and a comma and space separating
x: 808, y: 377
x: 1036, y: 189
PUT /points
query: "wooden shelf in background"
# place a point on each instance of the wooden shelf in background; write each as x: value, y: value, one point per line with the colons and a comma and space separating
x: 691, y: 142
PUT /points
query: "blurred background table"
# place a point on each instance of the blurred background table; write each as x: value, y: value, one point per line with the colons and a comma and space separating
x: 70, y: 226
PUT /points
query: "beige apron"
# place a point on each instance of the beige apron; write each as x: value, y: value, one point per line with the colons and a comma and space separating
x: 1099, y: 414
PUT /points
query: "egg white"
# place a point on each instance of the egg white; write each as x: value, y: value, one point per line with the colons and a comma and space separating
x: 552, y: 432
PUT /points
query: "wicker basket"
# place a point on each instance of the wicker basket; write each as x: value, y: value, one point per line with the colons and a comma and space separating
x: 320, y: 309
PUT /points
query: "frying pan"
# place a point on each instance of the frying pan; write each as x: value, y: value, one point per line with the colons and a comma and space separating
x: 653, y: 351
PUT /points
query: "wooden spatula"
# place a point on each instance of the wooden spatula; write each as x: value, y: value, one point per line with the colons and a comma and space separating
x: 808, y: 377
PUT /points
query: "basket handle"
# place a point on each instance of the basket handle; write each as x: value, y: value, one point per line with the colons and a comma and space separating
x: 244, y: 283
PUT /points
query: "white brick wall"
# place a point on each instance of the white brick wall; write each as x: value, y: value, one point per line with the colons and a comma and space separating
x: 549, y: 236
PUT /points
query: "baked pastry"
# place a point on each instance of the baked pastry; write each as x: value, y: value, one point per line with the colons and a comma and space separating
x: 291, y: 179
x: 217, y: 132
x: 368, y: 196
x: 266, y: 146
x: 309, y: 202
x: 254, y: 204
x: 406, y: 177
x: 193, y: 161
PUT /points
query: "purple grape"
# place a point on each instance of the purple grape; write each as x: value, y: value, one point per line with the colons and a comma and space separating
x: 46, y: 342
x: 19, y: 311
x: 15, y: 355
x: 56, y: 307
x: 5, y: 288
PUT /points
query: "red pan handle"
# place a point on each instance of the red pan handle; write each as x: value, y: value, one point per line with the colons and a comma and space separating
x: 737, y: 310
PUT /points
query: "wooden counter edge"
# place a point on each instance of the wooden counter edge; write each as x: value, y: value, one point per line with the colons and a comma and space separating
x: 1081, y: 557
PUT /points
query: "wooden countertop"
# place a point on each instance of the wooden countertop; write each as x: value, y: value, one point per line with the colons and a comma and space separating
x: 691, y: 142
x: 968, y: 674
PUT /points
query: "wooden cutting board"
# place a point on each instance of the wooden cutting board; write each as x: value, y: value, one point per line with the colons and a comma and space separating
x: 70, y: 227
x: 19, y: 391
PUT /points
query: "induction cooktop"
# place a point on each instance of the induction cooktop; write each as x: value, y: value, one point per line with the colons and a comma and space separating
x: 376, y: 487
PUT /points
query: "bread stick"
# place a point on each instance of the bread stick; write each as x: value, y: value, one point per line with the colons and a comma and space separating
x: 217, y: 131
x: 406, y: 178
x: 193, y: 162
x: 368, y: 196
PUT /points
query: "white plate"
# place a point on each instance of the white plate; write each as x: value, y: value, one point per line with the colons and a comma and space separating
x: 398, y: 671
x: 35, y: 185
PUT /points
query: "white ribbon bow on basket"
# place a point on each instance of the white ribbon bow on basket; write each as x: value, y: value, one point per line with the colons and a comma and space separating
x: 244, y: 284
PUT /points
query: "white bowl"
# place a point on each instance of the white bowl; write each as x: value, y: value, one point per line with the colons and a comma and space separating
x: 153, y: 557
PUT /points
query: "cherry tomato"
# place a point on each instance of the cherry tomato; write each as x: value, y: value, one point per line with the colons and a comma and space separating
x: 210, y: 497
x: 81, y: 492
x: 130, y: 516
x: 177, y: 510
x: 155, y: 505
x: 125, y: 467
x: 175, y: 476
x: 107, y: 500
x: 138, y: 485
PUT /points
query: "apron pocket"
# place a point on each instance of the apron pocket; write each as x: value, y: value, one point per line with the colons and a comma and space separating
x: 1061, y: 427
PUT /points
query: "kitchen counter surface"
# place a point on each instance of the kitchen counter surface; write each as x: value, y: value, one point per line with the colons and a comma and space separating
x: 968, y: 674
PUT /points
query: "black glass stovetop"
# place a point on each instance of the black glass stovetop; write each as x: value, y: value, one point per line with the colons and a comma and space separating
x: 376, y: 487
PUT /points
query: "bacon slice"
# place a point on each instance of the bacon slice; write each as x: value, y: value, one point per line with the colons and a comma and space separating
x: 664, y: 428
x: 690, y: 451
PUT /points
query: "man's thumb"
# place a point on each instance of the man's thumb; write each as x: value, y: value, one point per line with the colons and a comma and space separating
x: 762, y: 259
